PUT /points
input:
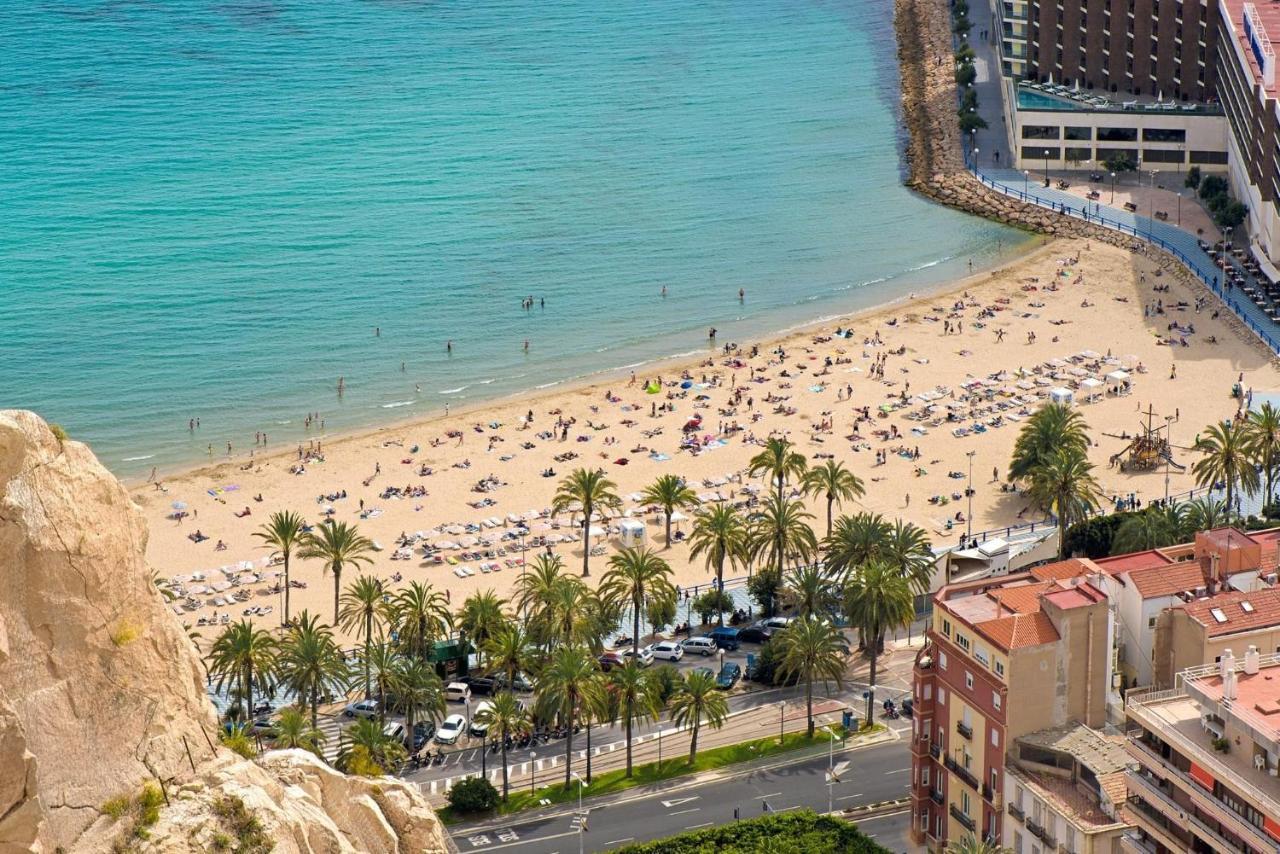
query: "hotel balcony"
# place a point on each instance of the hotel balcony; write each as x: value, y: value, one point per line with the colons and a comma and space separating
x: 935, y: 750
x: 966, y: 821
x: 964, y: 729
x: 937, y: 797
x: 1131, y: 843
x: 963, y: 773
x: 1167, y: 806
x: 1156, y: 825
x: 1042, y: 834
x: 1016, y: 812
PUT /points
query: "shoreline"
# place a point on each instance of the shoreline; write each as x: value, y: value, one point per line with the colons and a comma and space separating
x: 1032, y: 244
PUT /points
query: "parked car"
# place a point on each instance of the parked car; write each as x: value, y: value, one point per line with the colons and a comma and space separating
x: 450, y: 729
x: 755, y: 634
x: 641, y: 655
x: 725, y: 637
x: 481, y: 686
x: 707, y: 670
x: 478, y: 729
x: 457, y: 692
x: 667, y: 650
x: 361, y: 709
x: 701, y: 645
x: 265, y: 728
x: 521, y: 682
x: 776, y: 623
x: 422, y: 732
x: 394, y: 730
x: 728, y: 676
x: 610, y: 660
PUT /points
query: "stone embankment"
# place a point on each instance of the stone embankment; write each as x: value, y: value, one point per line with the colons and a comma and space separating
x: 935, y: 159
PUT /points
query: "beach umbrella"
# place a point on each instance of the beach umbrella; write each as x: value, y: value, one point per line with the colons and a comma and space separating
x: 596, y: 531
x: 179, y: 505
x: 686, y: 384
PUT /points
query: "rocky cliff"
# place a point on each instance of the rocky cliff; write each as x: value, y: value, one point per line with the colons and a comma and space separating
x: 102, y: 694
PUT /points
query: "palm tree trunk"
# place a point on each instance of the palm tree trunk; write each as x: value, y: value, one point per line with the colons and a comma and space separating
x: 248, y: 691
x: 315, y: 707
x: 831, y: 500
x: 629, y: 716
x: 720, y: 587
x: 635, y: 631
x: 669, y: 527
x: 337, y: 586
x: 808, y: 701
x: 506, y: 787
x: 286, y: 587
x: 586, y: 544
x: 588, y: 751
x: 368, y: 638
x: 693, y: 740
x: 568, y: 744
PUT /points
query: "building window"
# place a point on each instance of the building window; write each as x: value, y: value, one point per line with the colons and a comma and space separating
x: 1017, y: 842
x: 1077, y: 133
x: 1035, y: 152
x: 1040, y: 132
x: 1117, y: 134
x: 946, y: 628
x: 962, y: 641
x: 942, y: 661
x: 1158, y: 155
x: 1151, y: 622
x: 1209, y: 157
x: 968, y: 679
x: 928, y: 691
x: 1163, y: 135
x: 924, y: 775
x: 964, y: 803
x: 1078, y: 155
x: 995, y: 737
x: 942, y: 696
x: 995, y: 699
x: 999, y: 667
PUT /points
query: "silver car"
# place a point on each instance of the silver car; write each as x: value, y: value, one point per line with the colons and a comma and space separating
x: 666, y: 650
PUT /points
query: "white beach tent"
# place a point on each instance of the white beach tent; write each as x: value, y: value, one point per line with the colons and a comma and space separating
x: 1061, y: 396
x: 632, y: 532
x: 1092, y: 387
x: 1119, y: 380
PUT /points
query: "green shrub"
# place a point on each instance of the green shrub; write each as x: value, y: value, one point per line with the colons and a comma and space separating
x: 763, y: 588
x: 1231, y: 214
x: 1213, y: 185
x: 244, y: 828
x: 116, y: 807
x: 58, y: 432
x: 1193, y: 177
x: 666, y: 679
x: 1093, y: 537
x: 800, y: 832
x: 965, y: 74
x: 710, y: 603
x: 475, y: 794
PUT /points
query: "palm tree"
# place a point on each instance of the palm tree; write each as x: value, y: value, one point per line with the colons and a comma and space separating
x: 836, y: 483
x: 568, y: 616
x: 1263, y: 428
x: 535, y: 593
x: 811, y: 649
x: 481, y: 617
x: 720, y: 534
x: 592, y: 491
x: 507, y: 717
x: 418, y: 691
x: 246, y: 656
x: 1153, y: 528
x: 636, y: 577
x: 567, y: 683
x: 284, y: 532
x: 781, y: 532
x: 421, y: 617
x: 311, y: 663
x: 364, y: 608
x: 855, y: 540
x: 971, y: 844
x: 698, y: 699
x: 637, y: 699
x: 365, y: 739
x: 1206, y: 513
x: 339, y: 545
x: 381, y: 662
x: 1050, y: 429
x: 1226, y: 459
x: 877, y: 598
x: 1064, y: 485
x: 670, y: 493
x: 778, y: 461
x: 295, y: 730
x: 508, y: 651
x: 907, y: 547
x: 810, y: 589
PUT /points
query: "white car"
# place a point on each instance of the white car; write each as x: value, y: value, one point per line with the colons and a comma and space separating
x: 450, y: 728
x: 478, y: 729
x: 701, y: 645
x: 362, y: 709
x: 457, y: 692
x: 394, y: 730
x: 643, y: 656
x: 667, y: 650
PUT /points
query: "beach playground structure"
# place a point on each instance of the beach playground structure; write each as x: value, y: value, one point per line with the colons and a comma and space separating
x: 1149, y: 449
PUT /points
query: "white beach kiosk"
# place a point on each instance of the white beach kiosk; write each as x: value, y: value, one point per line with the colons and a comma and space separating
x: 632, y: 533
x: 1061, y: 396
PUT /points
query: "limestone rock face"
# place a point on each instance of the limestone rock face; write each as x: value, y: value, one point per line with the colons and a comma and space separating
x: 101, y: 690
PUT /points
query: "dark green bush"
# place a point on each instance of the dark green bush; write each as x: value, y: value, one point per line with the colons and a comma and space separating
x: 763, y: 588
x: 475, y: 794
x: 1193, y: 177
x: 800, y: 832
x: 1093, y: 537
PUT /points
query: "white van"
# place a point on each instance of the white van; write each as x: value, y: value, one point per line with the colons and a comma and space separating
x: 457, y: 692
x: 702, y: 646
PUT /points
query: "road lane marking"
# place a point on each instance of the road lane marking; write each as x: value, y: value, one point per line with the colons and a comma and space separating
x: 770, y: 795
x: 619, y: 841
x: 675, y: 802
x: 682, y: 812
x: 849, y: 797
x: 696, y: 826
x: 899, y: 771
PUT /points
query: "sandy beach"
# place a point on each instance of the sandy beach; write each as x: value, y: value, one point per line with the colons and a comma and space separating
x: 984, y: 353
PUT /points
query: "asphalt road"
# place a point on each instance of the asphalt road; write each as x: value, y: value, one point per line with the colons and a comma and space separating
x: 869, y: 775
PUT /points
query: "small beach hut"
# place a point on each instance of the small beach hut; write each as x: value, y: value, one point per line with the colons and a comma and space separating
x: 1062, y: 396
x: 1092, y: 387
x: 632, y: 533
x: 1118, y: 381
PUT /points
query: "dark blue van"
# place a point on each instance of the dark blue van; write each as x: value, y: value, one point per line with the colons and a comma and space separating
x: 725, y: 637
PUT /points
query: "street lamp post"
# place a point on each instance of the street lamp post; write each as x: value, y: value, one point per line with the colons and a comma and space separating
x: 1026, y: 181
x: 969, y: 519
x: 782, y: 717
x: 1168, y: 458
x: 1046, y: 167
x: 1179, y: 209
x: 533, y: 769
x: 831, y: 770
x: 1113, y: 188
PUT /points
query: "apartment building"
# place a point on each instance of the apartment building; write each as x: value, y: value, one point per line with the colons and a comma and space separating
x: 1207, y: 754
x: 1064, y: 791
x: 1002, y: 659
x: 1200, y: 632
x: 1133, y: 47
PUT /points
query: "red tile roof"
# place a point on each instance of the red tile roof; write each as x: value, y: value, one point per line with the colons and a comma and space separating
x: 1133, y: 561
x: 1264, y: 611
x: 1063, y: 569
x: 1022, y: 598
x: 1019, y: 630
x: 1167, y: 580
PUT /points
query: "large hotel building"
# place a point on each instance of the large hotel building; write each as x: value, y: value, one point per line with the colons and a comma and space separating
x: 1169, y: 83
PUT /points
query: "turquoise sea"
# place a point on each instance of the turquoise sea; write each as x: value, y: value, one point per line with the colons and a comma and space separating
x: 208, y: 207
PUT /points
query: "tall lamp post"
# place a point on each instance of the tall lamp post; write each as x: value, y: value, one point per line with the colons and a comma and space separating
x: 969, y: 491
x: 1046, y: 167
x: 1168, y: 459
x: 1113, y: 188
x: 1179, y: 209
x: 1026, y: 181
